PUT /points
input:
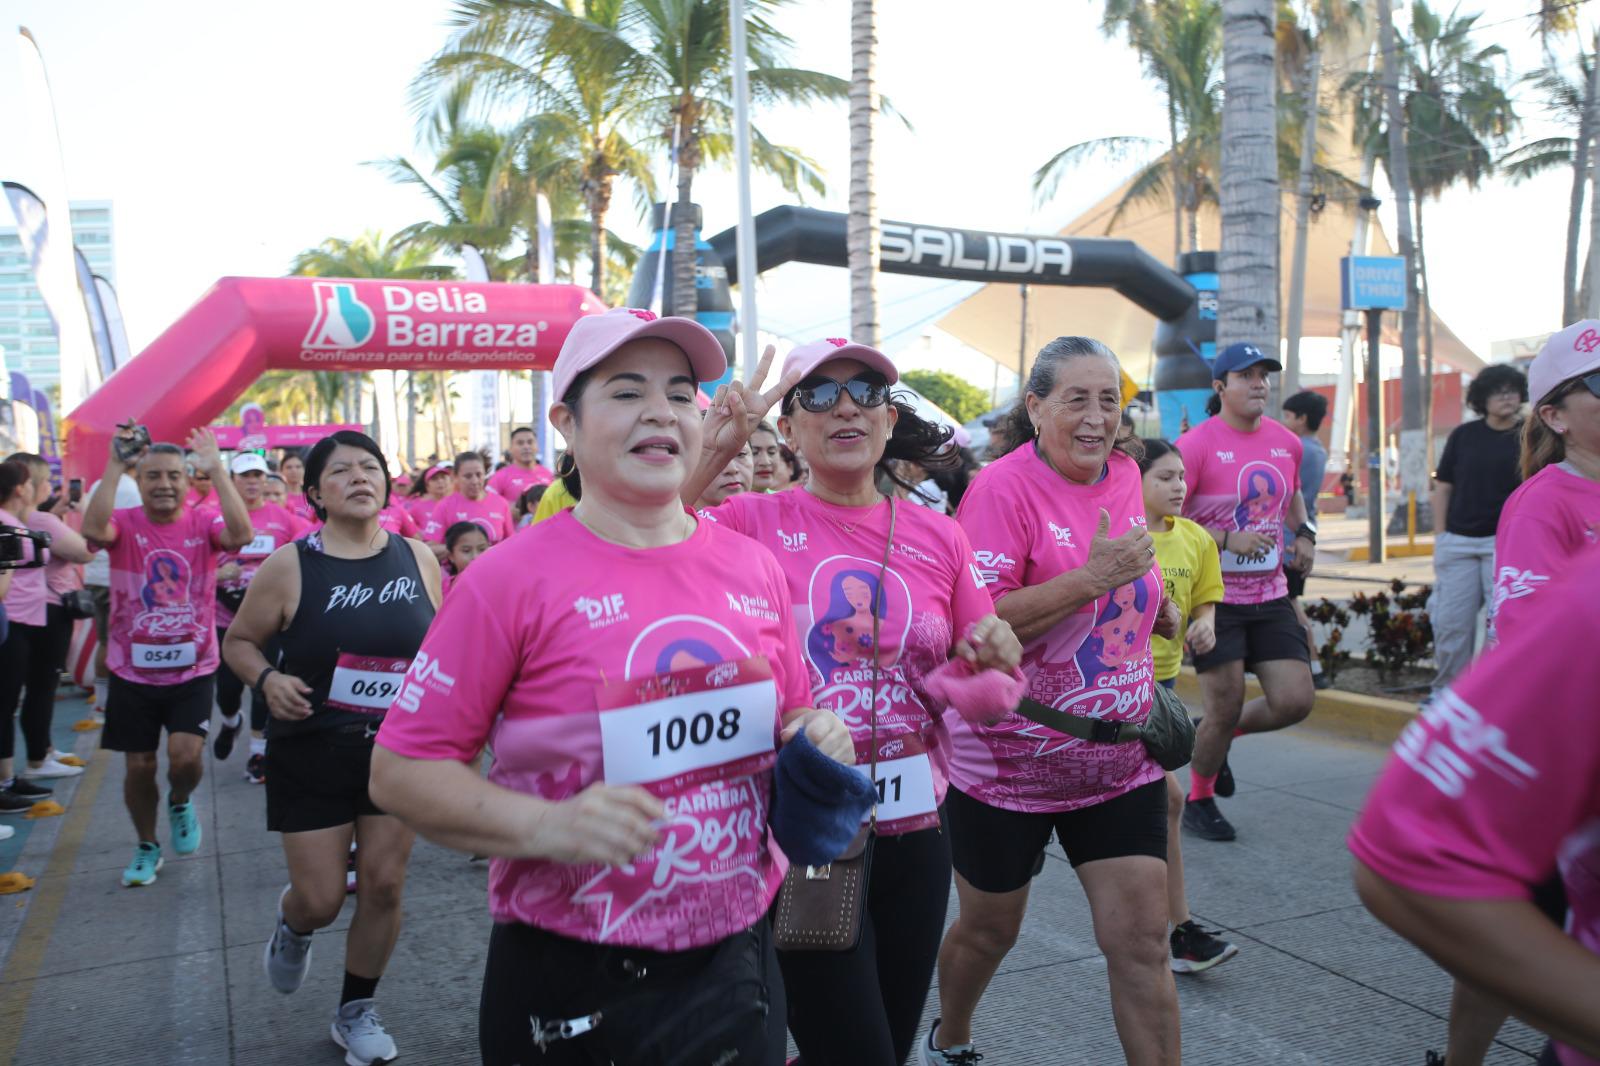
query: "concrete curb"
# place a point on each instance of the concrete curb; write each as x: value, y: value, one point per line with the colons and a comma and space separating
x: 1345, y: 714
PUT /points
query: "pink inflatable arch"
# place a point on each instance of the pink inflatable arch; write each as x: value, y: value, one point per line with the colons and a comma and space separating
x: 243, y: 327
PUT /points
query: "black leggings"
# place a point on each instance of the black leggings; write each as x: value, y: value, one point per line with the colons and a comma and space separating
x: 230, y: 690
x: 26, y: 665
x: 534, y: 974
x: 862, y: 1007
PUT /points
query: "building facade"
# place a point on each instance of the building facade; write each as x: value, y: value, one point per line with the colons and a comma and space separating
x: 27, y: 336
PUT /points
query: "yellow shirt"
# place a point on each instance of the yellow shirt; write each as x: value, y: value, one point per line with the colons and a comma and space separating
x: 1193, y: 575
x: 556, y: 499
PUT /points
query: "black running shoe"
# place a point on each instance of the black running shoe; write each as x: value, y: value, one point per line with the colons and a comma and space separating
x: 11, y: 803
x: 1202, y: 818
x: 1434, y: 1059
x: 31, y: 791
x: 1225, y: 786
x: 222, y: 745
x: 255, y: 770
x: 1195, y: 950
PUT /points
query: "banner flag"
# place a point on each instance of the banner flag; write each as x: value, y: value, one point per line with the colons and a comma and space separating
x: 99, y: 332
x: 485, y: 384
x: 118, y: 331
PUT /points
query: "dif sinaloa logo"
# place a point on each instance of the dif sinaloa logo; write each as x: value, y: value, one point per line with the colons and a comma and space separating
x: 456, y: 318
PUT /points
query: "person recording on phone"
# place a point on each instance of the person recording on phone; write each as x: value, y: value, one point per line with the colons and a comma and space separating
x: 163, y: 652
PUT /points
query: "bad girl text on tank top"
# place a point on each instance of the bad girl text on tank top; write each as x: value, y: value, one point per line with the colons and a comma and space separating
x: 397, y: 590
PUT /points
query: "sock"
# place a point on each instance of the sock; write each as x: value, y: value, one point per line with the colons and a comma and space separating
x: 232, y: 721
x: 102, y: 690
x: 357, y: 988
x: 258, y: 745
x: 292, y: 929
x: 1239, y: 731
x: 1202, y: 786
x: 1316, y: 667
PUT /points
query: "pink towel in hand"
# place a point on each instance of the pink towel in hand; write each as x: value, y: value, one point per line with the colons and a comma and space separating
x: 977, y: 695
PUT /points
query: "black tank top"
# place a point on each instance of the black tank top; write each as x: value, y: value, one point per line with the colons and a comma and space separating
x: 354, y: 634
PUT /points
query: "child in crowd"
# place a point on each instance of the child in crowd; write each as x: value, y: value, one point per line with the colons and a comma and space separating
x: 523, y: 509
x: 276, y: 490
x: 1192, y: 573
x: 463, y: 542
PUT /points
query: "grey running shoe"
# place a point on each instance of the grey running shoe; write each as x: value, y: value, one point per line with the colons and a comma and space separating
x: 288, y: 954
x: 356, y: 1028
x: 959, y: 1055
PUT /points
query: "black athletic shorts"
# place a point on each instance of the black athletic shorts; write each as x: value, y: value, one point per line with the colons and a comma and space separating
x: 318, y: 780
x: 1256, y: 633
x: 998, y: 850
x: 137, y: 713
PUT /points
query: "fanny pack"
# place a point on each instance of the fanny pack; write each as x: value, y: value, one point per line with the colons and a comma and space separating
x: 78, y: 603
x: 232, y: 599
x: 664, y: 1014
x: 1167, y: 734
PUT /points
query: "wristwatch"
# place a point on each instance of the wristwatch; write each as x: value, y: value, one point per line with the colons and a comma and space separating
x: 1307, y: 530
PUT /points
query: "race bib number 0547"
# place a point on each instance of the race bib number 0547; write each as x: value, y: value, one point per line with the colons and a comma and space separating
x: 690, y: 725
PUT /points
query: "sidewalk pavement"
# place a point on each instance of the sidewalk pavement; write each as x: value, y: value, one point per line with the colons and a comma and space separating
x: 172, y: 974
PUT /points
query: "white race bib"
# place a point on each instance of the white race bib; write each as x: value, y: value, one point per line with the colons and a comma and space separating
x: 1234, y: 563
x: 677, y: 735
x: 163, y: 656
x: 366, y: 683
x: 905, y: 788
x: 258, y: 548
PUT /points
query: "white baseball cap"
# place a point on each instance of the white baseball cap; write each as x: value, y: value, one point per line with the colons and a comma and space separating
x: 594, y: 337
x: 1573, y: 352
x: 245, y: 462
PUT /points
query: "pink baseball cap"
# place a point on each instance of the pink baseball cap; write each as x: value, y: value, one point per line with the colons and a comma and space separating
x: 807, y: 357
x: 594, y: 337
x: 437, y: 469
x: 1573, y: 352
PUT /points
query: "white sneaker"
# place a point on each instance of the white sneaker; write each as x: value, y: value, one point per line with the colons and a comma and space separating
x: 50, y: 768
x: 356, y: 1028
x: 6, y: 832
x: 959, y: 1055
x: 288, y: 954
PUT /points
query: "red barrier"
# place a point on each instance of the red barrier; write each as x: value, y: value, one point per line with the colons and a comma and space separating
x: 244, y: 327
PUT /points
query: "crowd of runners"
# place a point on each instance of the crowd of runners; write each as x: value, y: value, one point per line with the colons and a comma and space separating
x: 731, y: 698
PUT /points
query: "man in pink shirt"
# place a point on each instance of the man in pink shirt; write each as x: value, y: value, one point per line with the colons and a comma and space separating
x: 163, y: 640
x: 524, y: 470
x: 1243, y: 471
x: 470, y: 502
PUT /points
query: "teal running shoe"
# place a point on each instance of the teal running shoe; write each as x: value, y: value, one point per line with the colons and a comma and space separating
x: 185, y: 827
x: 142, y: 870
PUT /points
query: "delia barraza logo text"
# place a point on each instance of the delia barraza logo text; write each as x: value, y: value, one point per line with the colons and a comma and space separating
x: 342, y: 321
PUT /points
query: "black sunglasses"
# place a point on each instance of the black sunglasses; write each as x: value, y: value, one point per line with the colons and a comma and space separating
x: 820, y: 394
x: 1590, y: 382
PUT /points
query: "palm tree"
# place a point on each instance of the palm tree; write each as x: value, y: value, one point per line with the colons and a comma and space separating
x: 1247, y: 293
x: 575, y: 139
x: 1566, y: 101
x: 371, y: 255
x: 863, y: 219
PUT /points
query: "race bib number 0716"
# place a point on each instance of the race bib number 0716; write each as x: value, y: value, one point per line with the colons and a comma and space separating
x: 689, y: 725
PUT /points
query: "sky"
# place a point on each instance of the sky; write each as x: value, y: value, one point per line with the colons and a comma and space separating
x: 229, y: 137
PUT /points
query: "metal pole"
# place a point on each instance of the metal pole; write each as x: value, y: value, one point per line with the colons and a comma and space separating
x: 1022, y: 345
x: 746, y: 234
x: 1375, y: 513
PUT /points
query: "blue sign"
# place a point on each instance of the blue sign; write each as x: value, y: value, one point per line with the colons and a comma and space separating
x: 1372, y: 283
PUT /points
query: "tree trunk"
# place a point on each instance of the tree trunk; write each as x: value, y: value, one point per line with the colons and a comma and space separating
x: 1172, y: 175
x: 1580, y: 178
x: 862, y: 235
x: 1302, y: 225
x: 1591, y: 304
x: 685, y: 297
x: 411, y: 419
x: 441, y: 382
x: 597, y: 198
x: 1427, y: 330
x: 1400, y: 181
x: 1247, y: 295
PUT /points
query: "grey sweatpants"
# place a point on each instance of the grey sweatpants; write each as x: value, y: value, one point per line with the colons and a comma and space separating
x: 1463, y: 577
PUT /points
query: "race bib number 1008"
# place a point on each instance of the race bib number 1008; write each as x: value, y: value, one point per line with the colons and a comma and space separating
x: 689, y: 725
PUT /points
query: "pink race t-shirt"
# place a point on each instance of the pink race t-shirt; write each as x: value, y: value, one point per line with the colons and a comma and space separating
x: 1552, y: 518
x: 28, y: 598
x: 420, y: 508
x: 163, y: 596
x: 60, y: 576
x: 395, y: 519
x: 1243, y: 482
x: 1497, y: 782
x: 534, y: 658
x: 491, y: 513
x: 297, y: 504
x: 274, y: 527
x: 510, y: 482
x: 929, y: 597
x: 1027, y: 525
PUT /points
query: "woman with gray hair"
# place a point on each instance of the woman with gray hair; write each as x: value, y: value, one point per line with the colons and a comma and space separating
x: 1058, y: 528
